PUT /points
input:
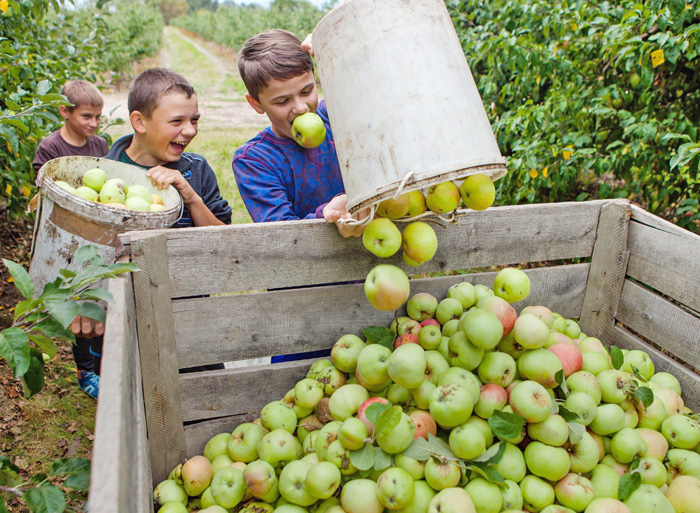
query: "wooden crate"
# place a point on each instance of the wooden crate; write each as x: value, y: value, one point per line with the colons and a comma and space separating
x: 202, y: 297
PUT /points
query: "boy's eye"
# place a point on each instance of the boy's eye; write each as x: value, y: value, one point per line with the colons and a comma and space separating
x: 281, y: 102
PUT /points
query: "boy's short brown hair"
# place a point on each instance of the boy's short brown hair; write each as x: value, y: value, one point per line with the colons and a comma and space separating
x: 272, y: 55
x: 151, y: 85
x: 82, y: 92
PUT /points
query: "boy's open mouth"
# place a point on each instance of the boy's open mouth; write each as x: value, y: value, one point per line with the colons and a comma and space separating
x: 179, y: 146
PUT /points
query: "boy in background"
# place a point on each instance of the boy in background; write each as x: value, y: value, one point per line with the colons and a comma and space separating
x: 278, y: 179
x: 77, y: 137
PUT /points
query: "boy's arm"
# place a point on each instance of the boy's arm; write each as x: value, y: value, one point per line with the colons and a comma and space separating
x: 161, y: 177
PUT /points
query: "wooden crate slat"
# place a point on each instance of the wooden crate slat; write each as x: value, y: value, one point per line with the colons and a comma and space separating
x: 197, y: 435
x: 689, y: 380
x: 222, y: 259
x: 665, y: 257
x: 207, y: 395
x: 158, y: 355
x: 657, y: 319
x: 120, y: 433
x: 607, y: 273
x: 247, y: 326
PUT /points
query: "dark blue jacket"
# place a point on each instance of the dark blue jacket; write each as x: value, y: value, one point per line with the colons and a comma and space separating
x: 198, y: 174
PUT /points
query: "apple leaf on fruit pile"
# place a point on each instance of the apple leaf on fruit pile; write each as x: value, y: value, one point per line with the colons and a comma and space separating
x: 381, y: 459
x: 506, y: 425
x: 388, y: 420
x: 645, y: 395
x: 363, y: 458
x: 561, y: 382
x: 379, y: 335
x: 419, y: 450
x: 617, y: 357
x: 374, y: 410
x: 576, y: 429
x: 628, y: 484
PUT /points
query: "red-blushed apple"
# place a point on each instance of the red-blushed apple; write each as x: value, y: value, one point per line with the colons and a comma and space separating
x: 345, y: 352
x: 684, y: 494
x: 430, y: 322
x: 443, y: 198
x: 503, y: 310
x: 558, y: 338
x: 620, y: 468
x: 416, y: 203
x: 574, y: 491
x: 421, y: 306
x: 403, y: 324
x: 260, y: 478
x: 424, y: 422
x: 657, y: 445
x: 387, y: 287
x: 362, y: 411
x: 592, y: 344
x: 381, y: 237
x: 544, y: 314
x: 406, y: 338
x: 491, y: 397
x: 196, y: 475
x: 607, y: 505
x: 478, y: 191
x: 531, y: 400
x: 570, y: 357
x: 419, y: 242
x: 394, y: 208
x: 511, y: 284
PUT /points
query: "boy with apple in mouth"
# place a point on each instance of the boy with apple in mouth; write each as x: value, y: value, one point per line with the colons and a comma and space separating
x: 278, y: 179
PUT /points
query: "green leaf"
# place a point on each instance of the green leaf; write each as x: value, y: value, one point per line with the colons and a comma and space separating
x: 617, y: 357
x: 79, y: 482
x: 17, y: 123
x: 3, y: 507
x: 63, y: 466
x: 63, y: 311
x: 33, y: 379
x: 123, y: 267
x: 568, y: 416
x: 45, y: 344
x: 374, y: 334
x: 419, y: 449
x: 22, y: 280
x: 45, y: 499
x: 561, y: 382
x: 363, y: 458
x: 43, y: 87
x: 381, y: 459
x: 9, y: 473
x: 388, y: 420
x: 52, y: 329
x: 576, y: 431
x: 628, y: 484
x: 15, y: 107
x: 490, y: 456
x: 490, y: 473
x: 14, y: 348
x: 374, y: 410
x: 97, y: 295
x: 645, y: 395
x: 506, y: 425
x: 38, y: 478
x: 440, y: 448
x: 85, y: 253
x: 92, y: 311
x: 53, y: 97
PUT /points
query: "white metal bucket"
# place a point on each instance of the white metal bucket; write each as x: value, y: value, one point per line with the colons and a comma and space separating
x: 401, y: 99
x: 64, y: 221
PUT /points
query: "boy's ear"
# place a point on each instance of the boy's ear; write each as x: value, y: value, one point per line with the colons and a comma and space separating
x: 255, y: 104
x: 63, y: 111
x: 137, y: 121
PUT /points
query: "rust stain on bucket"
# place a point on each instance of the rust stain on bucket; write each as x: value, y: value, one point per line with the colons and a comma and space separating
x: 84, y: 228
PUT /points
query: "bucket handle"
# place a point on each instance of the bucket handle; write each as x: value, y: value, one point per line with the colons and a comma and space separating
x: 37, y: 220
x: 182, y: 211
x: 373, y: 208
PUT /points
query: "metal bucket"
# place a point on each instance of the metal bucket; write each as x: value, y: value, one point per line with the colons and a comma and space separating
x: 64, y: 221
x: 401, y: 99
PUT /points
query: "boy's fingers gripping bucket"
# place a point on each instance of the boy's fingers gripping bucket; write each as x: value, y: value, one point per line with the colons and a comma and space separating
x: 401, y: 99
x: 64, y: 221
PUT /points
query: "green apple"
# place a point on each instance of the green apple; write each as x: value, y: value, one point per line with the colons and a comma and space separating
x: 537, y: 493
x: 137, y: 203
x: 399, y: 437
x: 552, y: 431
x: 531, y: 400
x: 649, y: 498
x: 94, y: 178
x: 323, y: 479
x: 86, y: 193
x: 221, y: 461
x: 278, y: 415
x: 574, y: 491
x: 684, y: 494
x: 512, y: 464
x: 582, y: 405
x: 417, y: 204
x: 584, y: 453
x: 346, y: 401
x: 407, y: 365
x: 65, y: 186
x: 451, y: 405
x: 681, y: 432
x: 540, y: 365
x: 360, y: 496
x: 467, y: 441
x: 113, y: 192
x: 228, y: 487
x: 666, y: 380
x: 419, y: 241
x: 387, y: 287
x: 443, y: 197
x: 421, y: 306
x: 485, y: 495
x: 511, y: 284
x: 609, y: 419
x: 441, y: 475
x: 464, y: 292
x: 173, y: 507
x: 605, y: 481
x: 169, y: 491
x: 551, y: 463
x: 216, y: 446
x: 307, y: 392
x: 452, y: 500
x: 626, y: 445
x: 394, y: 208
x: 345, y: 352
x: 381, y: 237
x: 448, y: 309
x: 482, y: 327
x: 652, y: 471
x: 277, y: 447
x: 139, y: 191
x: 308, y: 130
x: 395, y: 488
x: 292, y: 483
x: 478, y: 191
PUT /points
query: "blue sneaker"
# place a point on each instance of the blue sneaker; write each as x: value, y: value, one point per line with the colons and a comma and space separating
x: 89, y: 382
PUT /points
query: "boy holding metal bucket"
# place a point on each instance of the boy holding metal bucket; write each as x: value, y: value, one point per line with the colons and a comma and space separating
x: 278, y: 179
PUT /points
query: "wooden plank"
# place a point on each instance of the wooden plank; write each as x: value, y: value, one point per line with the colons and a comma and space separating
x: 221, y: 259
x: 665, y: 257
x: 120, y: 468
x: 607, y: 273
x: 158, y: 356
x: 247, y: 326
x: 197, y: 435
x: 689, y: 380
x: 207, y: 395
x: 667, y: 325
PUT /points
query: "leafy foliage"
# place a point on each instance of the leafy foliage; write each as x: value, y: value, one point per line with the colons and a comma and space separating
x: 231, y: 25
x: 588, y: 93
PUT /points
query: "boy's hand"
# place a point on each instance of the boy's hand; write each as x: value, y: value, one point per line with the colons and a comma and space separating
x: 86, y: 328
x: 337, y: 210
x: 307, y: 46
x: 162, y: 177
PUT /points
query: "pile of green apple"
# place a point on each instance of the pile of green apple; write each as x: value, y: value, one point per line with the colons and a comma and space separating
x: 464, y: 405
x: 114, y: 192
x: 419, y: 241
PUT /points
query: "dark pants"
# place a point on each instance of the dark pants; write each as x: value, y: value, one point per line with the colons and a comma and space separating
x: 87, y: 353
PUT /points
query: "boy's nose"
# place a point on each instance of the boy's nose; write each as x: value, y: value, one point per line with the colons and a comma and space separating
x: 189, y: 129
x: 300, y: 107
